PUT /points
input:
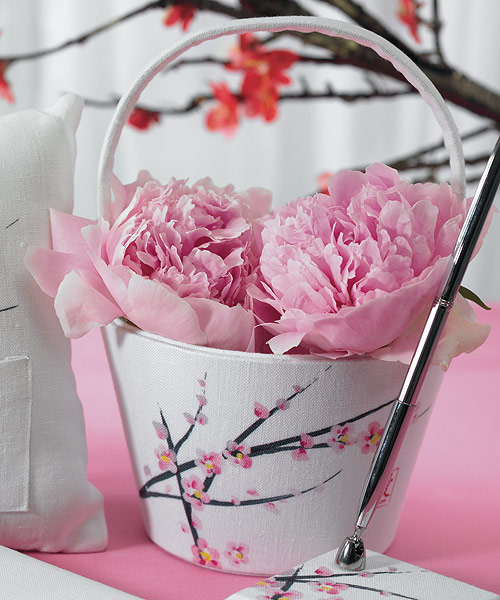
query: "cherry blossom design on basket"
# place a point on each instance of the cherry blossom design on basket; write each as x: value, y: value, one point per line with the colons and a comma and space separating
x: 188, y: 476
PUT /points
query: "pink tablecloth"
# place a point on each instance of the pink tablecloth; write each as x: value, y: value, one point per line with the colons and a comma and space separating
x: 450, y: 522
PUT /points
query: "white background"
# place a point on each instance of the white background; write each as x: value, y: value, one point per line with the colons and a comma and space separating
x: 286, y: 156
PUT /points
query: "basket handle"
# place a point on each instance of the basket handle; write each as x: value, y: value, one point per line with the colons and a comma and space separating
x: 330, y: 27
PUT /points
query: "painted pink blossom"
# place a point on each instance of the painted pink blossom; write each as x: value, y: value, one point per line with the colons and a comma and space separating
x: 323, y: 571
x: 341, y: 437
x: 283, y: 404
x: 237, y: 553
x: 328, y: 587
x: 202, y: 418
x: 189, y: 418
x: 271, y: 507
x: 370, y: 439
x: 235, y: 501
x: 193, y: 492
x: 210, y: 462
x: 346, y: 273
x: 306, y: 441
x: 201, y: 399
x: 238, y: 454
x: 161, y: 430
x: 204, y: 555
x: 173, y: 259
x: 166, y: 459
x: 260, y: 411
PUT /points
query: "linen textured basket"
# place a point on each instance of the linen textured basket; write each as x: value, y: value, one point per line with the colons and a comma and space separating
x: 252, y: 463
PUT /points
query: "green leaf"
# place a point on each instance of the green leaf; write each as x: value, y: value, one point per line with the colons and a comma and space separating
x: 469, y: 295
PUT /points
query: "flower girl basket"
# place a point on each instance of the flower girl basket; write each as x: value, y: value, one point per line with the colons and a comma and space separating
x: 253, y: 463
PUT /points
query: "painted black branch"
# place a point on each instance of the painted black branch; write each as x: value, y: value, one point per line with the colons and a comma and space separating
x: 315, y: 577
x: 252, y: 502
x: 256, y: 424
x: 188, y: 509
x: 208, y: 481
x: 271, y: 446
x: 9, y: 308
x: 260, y: 449
x: 13, y: 223
x: 292, y: 579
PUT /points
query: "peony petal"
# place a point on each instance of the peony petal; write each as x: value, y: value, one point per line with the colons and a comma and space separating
x: 49, y: 267
x: 80, y: 307
x: 155, y: 308
x: 284, y: 342
x: 66, y: 232
x: 227, y: 327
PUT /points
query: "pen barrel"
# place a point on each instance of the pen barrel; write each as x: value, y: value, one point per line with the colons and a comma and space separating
x: 401, y: 415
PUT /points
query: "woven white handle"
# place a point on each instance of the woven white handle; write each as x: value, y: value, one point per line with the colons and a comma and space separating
x: 307, y: 25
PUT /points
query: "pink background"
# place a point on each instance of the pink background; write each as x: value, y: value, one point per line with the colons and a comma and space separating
x: 450, y: 522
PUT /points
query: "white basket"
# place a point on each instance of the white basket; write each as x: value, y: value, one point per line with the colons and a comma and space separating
x: 273, y: 508
x: 286, y: 490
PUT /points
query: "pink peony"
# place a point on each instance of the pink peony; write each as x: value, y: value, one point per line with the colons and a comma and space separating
x: 174, y: 260
x: 346, y: 273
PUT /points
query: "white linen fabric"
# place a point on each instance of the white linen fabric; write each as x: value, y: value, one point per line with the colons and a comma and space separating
x: 383, y: 576
x: 26, y: 578
x: 249, y: 462
x: 46, y: 502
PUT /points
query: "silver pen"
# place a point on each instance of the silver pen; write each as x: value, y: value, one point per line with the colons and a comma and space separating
x: 351, y: 555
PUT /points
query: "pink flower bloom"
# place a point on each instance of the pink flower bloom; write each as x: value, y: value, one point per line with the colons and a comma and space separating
x: 328, y: 587
x: 340, y: 437
x: 161, y: 430
x: 182, y: 14
x: 323, y: 571
x: 346, y: 273
x: 252, y: 492
x: 238, y: 454
x: 202, y: 418
x: 260, y: 411
x: 143, y: 119
x: 370, y: 439
x: 202, y: 382
x: 235, y: 501
x: 166, y: 459
x: 224, y: 115
x: 203, y: 555
x: 201, y: 399
x: 237, y: 553
x: 271, y: 507
x: 189, y: 418
x: 306, y: 441
x: 283, y: 404
x: 407, y: 14
x: 193, y: 492
x: 173, y: 259
x: 211, y: 462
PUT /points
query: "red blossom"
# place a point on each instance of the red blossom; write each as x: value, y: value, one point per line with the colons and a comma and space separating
x: 407, y: 14
x: 252, y: 56
x: 5, y: 90
x: 143, y: 119
x: 260, y: 98
x: 183, y: 14
x: 224, y: 116
x: 264, y: 72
